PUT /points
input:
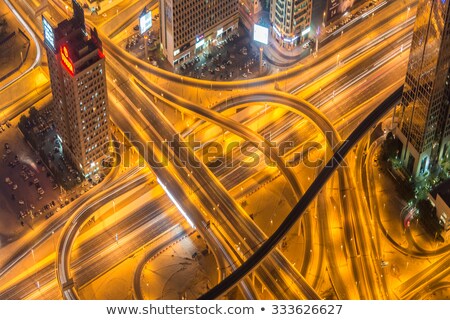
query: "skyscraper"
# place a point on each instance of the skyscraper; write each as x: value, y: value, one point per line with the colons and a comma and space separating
x: 188, y: 27
x: 291, y: 21
x: 424, y: 127
x: 78, y: 81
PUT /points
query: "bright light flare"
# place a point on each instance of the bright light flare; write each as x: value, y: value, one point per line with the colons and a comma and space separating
x: 172, y: 198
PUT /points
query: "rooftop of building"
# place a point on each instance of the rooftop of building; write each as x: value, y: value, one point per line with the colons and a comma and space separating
x: 443, y: 190
x: 80, y: 45
x: 72, y: 34
x: 67, y: 26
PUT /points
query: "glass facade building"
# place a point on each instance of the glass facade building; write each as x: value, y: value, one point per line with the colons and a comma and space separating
x: 424, y: 124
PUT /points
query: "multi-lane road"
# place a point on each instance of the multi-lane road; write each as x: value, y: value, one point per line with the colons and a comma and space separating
x: 330, y: 81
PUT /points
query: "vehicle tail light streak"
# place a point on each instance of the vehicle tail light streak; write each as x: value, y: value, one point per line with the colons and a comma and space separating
x: 172, y: 198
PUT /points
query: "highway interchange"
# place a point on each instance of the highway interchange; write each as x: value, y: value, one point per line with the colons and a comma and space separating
x: 329, y: 93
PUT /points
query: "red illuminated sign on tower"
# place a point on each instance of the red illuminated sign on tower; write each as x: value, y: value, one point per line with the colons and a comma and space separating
x: 101, y: 54
x: 66, y: 61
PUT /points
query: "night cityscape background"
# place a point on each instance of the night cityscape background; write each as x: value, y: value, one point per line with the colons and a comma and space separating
x: 224, y: 149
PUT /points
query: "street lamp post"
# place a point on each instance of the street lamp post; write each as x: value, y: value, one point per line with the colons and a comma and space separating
x: 145, y: 47
x: 261, y: 49
x: 115, y: 218
x: 317, y: 41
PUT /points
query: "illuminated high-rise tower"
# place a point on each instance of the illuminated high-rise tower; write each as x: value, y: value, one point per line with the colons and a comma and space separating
x: 425, y: 124
x: 80, y: 105
x: 189, y: 27
x: 290, y: 20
